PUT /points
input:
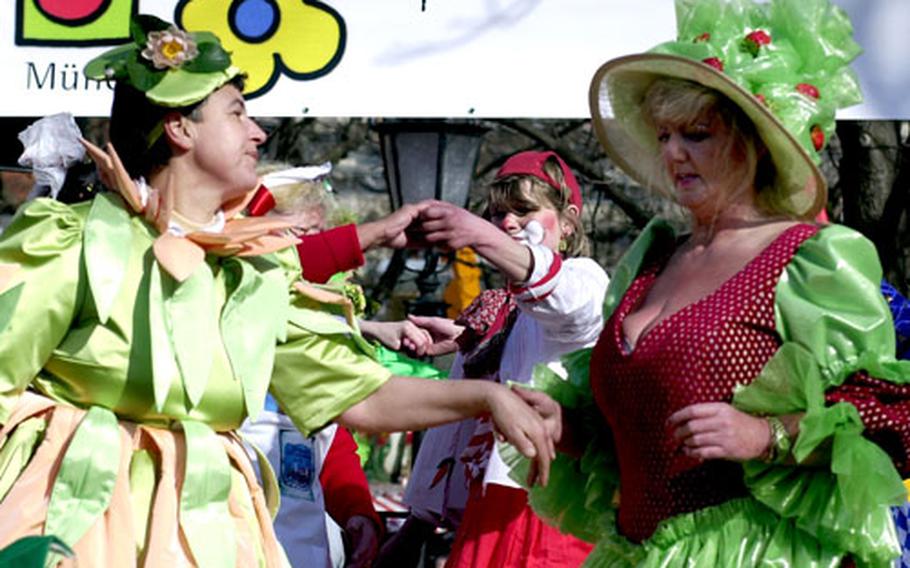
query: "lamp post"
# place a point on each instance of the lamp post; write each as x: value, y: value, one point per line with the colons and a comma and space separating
x: 427, y: 159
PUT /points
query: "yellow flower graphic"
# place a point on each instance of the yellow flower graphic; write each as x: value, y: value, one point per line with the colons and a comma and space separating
x: 269, y: 38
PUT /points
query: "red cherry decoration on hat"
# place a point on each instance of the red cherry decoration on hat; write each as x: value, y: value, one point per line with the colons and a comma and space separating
x: 809, y: 90
x: 818, y: 137
x: 714, y: 62
x: 761, y: 98
x: 701, y: 38
x: 72, y: 11
x: 761, y: 37
x: 755, y: 40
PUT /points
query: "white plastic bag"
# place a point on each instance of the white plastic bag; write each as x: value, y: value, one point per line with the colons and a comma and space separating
x: 51, y: 146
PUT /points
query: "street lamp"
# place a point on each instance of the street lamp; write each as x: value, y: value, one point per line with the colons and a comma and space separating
x: 427, y: 159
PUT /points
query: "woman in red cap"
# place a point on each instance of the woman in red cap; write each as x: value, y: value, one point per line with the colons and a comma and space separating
x: 551, y: 306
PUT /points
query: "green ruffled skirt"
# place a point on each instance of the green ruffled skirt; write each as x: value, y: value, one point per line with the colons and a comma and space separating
x: 741, y: 532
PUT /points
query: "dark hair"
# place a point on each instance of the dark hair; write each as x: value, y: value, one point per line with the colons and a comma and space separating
x: 81, y: 183
x: 133, y: 119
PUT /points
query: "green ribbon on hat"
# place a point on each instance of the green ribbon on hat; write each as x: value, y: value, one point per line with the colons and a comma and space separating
x: 793, y: 55
x: 174, y: 68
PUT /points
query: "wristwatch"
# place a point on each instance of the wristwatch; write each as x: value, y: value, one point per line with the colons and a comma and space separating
x: 780, y: 443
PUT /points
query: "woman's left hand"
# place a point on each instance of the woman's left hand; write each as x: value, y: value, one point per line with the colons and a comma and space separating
x: 716, y: 430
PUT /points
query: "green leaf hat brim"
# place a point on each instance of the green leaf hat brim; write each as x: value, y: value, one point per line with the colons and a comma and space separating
x: 175, y: 88
x: 181, y: 88
x: 616, y: 97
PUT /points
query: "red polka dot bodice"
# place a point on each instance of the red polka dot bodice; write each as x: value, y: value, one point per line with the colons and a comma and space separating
x: 696, y: 355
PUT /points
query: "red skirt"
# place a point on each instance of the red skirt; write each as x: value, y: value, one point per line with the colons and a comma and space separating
x: 499, y: 528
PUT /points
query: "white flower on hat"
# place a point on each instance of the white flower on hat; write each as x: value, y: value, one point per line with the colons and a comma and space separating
x: 170, y: 48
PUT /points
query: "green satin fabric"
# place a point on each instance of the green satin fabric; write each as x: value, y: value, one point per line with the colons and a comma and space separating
x: 741, y: 532
x: 833, y: 321
x: 35, y: 552
x: 107, y: 249
x: 98, y: 325
x: 657, y: 233
x: 402, y: 365
x: 9, y: 299
x: 269, y: 481
x: 17, y: 451
x: 85, y: 482
x: 310, y: 392
x: 204, y: 515
x: 143, y: 480
x: 252, y: 340
x: 226, y: 318
x: 44, y: 241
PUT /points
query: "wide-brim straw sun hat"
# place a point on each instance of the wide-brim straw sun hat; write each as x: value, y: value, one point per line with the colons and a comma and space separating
x: 785, y: 64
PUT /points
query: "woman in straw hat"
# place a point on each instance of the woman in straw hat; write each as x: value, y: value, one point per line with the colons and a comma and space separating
x: 138, y: 330
x: 747, y: 405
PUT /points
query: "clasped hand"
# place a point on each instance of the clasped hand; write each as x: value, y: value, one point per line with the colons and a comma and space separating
x: 428, y: 223
x: 527, y: 412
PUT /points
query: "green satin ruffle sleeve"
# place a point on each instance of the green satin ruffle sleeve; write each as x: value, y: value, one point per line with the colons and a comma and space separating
x: 323, y: 366
x: 833, y: 322
x: 322, y: 369
x: 45, y: 241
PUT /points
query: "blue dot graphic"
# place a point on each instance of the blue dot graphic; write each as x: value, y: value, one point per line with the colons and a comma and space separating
x: 254, y: 19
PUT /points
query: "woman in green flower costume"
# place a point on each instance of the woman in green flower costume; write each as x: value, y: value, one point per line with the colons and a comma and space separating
x: 139, y: 329
x: 728, y: 415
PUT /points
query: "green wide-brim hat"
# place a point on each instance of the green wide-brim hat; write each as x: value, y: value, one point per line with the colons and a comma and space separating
x: 790, y: 87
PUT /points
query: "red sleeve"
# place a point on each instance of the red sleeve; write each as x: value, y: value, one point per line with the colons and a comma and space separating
x: 885, y: 410
x: 329, y: 252
x: 344, y: 485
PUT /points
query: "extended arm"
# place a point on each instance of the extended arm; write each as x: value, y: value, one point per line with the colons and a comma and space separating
x: 454, y: 227
x: 404, y: 403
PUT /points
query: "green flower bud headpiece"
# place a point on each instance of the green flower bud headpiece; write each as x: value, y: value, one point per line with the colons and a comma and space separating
x: 174, y: 68
x: 785, y: 63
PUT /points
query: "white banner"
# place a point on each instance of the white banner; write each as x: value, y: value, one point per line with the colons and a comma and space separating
x: 401, y: 58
